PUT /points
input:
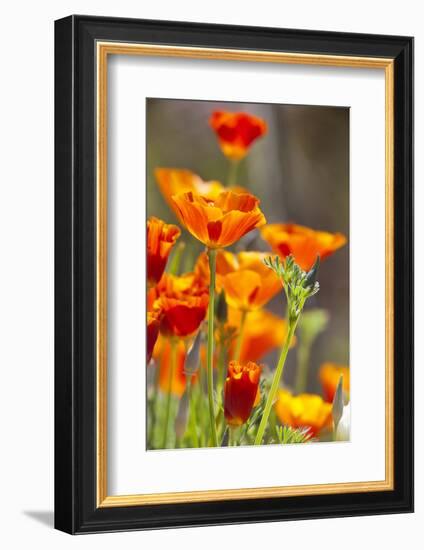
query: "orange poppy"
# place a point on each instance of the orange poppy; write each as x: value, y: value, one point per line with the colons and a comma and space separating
x: 236, y: 132
x: 153, y: 324
x: 252, y: 284
x: 173, y: 181
x: 221, y: 222
x: 183, y: 302
x: 161, y: 238
x: 263, y: 331
x: 303, y: 411
x: 163, y: 357
x: 240, y: 391
x: 303, y: 243
x: 329, y: 376
x: 247, y: 282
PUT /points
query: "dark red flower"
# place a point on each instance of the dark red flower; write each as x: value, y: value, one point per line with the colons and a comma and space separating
x: 240, y: 391
x: 153, y: 324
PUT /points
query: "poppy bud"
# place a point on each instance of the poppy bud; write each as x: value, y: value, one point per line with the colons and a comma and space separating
x: 338, y: 403
x: 240, y: 391
x: 192, y: 361
x: 311, y: 276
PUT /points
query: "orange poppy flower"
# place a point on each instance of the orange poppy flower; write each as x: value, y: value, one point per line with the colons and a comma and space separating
x: 329, y: 376
x: 163, y: 357
x: 153, y: 324
x: 247, y: 282
x: 251, y: 285
x: 263, y: 331
x: 240, y: 391
x: 173, y: 181
x: 303, y: 411
x: 161, y: 238
x: 183, y: 302
x: 236, y: 132
x: 303, y: 243
x: 221, y: 222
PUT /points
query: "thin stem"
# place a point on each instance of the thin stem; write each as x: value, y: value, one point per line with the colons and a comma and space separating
x: 233, y: 436
x: 232, y: 173
x: 168, y: 396
x: 154, y: 406
x: 240, y: 337
x: 212, y: 267
x: 192, y: 412
x: 275, y: 382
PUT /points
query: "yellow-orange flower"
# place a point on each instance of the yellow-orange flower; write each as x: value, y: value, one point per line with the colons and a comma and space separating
x: 329, y: 375
x: 240, y: 391
x: 236, y: 132
x: 161, y: 238
x: 247, y: 282
x: 251, y: 284
x: 163, y: 358
x: 303, y: 243
x: 173, y: 181
x: 303, y: 411
x: 153, y: 324
x: 183, y: 302
x: 221, y: 222
x: 263, y: 331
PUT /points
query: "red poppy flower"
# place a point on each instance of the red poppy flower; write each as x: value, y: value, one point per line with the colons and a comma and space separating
x: 240, y: 391
x: 153, y: 324
x: 236, y: 132
x: 183, y: 302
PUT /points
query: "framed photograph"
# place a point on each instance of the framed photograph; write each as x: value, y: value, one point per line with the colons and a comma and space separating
x: 234, y: 274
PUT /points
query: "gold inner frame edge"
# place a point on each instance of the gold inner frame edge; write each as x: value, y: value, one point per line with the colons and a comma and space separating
x: 103, y: 49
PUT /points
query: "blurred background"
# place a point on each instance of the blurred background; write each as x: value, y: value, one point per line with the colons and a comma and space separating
x: 300, y: 172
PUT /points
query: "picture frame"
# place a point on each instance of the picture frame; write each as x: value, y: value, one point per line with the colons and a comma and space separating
x: 83, y: 45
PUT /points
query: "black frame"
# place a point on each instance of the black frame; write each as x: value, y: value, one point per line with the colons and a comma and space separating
x: 75, y: 275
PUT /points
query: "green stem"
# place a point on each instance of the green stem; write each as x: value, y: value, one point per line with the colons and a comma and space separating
x: 168, y: 396
x: 211, y: 312
x: 192, y: 413
x: 240, y: 337
x: 275, y: 383
x: 232, y: 173
x: 231, y: 437
x: 154, y: 406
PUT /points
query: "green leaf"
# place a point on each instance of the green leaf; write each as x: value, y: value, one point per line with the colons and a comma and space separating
x: 288, y: 435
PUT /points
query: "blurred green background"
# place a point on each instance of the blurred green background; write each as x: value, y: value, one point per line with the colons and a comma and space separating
x: 300, y: 172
